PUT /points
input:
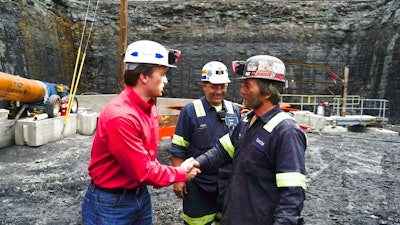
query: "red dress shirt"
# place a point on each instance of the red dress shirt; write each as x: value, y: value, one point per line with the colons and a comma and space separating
x: 125, y: 146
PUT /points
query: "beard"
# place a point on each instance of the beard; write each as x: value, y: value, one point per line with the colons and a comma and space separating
x: 253, y: 102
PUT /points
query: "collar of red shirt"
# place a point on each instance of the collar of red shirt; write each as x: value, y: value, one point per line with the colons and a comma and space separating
x: 136, y: 99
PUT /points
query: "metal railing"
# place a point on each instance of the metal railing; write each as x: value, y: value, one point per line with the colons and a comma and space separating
x: 314, y: 101
x: 354, y: 105
x: 373, y: 107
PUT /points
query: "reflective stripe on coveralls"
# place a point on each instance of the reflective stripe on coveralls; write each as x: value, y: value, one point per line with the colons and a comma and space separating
x: 289, y: 179
x: 180, y: 141
x: 269, y: 126
x: 274, y: 121
x: 199, y: 108
x: 201, y: 220
x: 200, y: 112
x: 227, y: 144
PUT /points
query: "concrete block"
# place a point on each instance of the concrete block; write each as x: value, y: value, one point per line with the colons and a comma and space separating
x: 84, y: 110
x: 6, y: 135
x: 164, y: 103
x: 94, y: 102
x: 87, y: 123
x: 334, y: 129
x: 39, y: 132
x: 310, y: 119
x: 4, y: 113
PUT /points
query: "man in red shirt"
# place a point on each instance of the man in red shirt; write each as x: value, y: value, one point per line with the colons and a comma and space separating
x: 123, y: 157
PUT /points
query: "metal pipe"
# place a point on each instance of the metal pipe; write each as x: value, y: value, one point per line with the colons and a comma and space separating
x: 17, y: 88
x: 41, y: 117
x: 345, y: 86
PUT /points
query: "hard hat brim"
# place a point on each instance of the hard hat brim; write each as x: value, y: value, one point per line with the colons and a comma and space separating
x: 168, y: 65
x: 155, y: 64
x: 219, y: 81
x: 263, y: 78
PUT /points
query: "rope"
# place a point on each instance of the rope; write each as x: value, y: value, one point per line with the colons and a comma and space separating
x: 75, y: 78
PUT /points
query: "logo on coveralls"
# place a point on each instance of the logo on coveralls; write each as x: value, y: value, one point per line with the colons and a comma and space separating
x: 259, y: 144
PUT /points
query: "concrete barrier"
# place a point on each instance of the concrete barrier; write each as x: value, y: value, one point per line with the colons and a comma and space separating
x: 97, y: 102
x: 37, y: 133
x: 31, y: 132
x: 6, y: 134
x: 94, y: 102
x: 86, y: 123
x: 310, y: 119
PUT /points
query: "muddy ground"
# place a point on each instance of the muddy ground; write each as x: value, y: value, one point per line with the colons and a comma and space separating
x: 353, y: 178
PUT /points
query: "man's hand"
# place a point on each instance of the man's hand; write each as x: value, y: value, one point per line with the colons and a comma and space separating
x: 192, y: 173
x: 180, y: 189
x: 189, y: 163
x: 191, y: 167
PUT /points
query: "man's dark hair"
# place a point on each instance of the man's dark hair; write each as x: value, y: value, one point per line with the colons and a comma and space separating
x: 270, y: 87
x: 131, y: 76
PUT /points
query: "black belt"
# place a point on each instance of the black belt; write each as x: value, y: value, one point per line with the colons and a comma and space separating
x: 133, y: 191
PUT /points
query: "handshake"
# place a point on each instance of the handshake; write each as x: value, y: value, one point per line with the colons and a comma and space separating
x: 191, y: 167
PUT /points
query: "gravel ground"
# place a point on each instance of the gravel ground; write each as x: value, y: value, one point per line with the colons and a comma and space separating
x: 353, y: 178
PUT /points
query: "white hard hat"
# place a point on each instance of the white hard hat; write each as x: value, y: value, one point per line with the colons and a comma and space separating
x: 149, y: 52
x: 215, y: 72
x: 262, y: 67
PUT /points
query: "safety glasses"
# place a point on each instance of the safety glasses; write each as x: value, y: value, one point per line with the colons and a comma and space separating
x: 217, y: 87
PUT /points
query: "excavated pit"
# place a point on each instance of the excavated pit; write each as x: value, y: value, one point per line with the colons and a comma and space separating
x: 353, y: 178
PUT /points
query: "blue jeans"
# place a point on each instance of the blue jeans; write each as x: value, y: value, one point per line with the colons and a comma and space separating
x: 99, y: 207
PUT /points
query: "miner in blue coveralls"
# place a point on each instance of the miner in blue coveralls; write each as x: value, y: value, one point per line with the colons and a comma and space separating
x: 201, y: 123
x: 267, y: 147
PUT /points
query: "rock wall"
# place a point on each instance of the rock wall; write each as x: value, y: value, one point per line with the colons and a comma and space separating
x: 39, y: 39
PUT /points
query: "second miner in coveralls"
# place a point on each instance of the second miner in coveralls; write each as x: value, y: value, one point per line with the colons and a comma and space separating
x: 201, y: 123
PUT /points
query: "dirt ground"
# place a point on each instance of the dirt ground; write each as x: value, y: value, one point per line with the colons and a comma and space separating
x: 353, y: 178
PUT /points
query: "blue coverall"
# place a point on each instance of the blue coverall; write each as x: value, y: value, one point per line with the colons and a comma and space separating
x: 194, y: 135
x: 267, y: 183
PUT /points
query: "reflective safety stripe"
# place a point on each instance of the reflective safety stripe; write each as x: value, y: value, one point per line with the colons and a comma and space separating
x: 274, y: 121
x: 291, y: 179
x: 198, y: 107
x: 227, y: 144
x: 218, y: 216
x: 200, y: 112
x: 229, y: 107
x: 200, y: 220
x: 178, y: 140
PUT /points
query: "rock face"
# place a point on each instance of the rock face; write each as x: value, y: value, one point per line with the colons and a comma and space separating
x: 39, y: 39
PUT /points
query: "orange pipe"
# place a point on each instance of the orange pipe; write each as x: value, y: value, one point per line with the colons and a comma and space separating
x: 17, y: 88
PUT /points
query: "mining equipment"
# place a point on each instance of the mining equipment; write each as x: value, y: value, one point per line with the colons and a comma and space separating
x: 22, y: 96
